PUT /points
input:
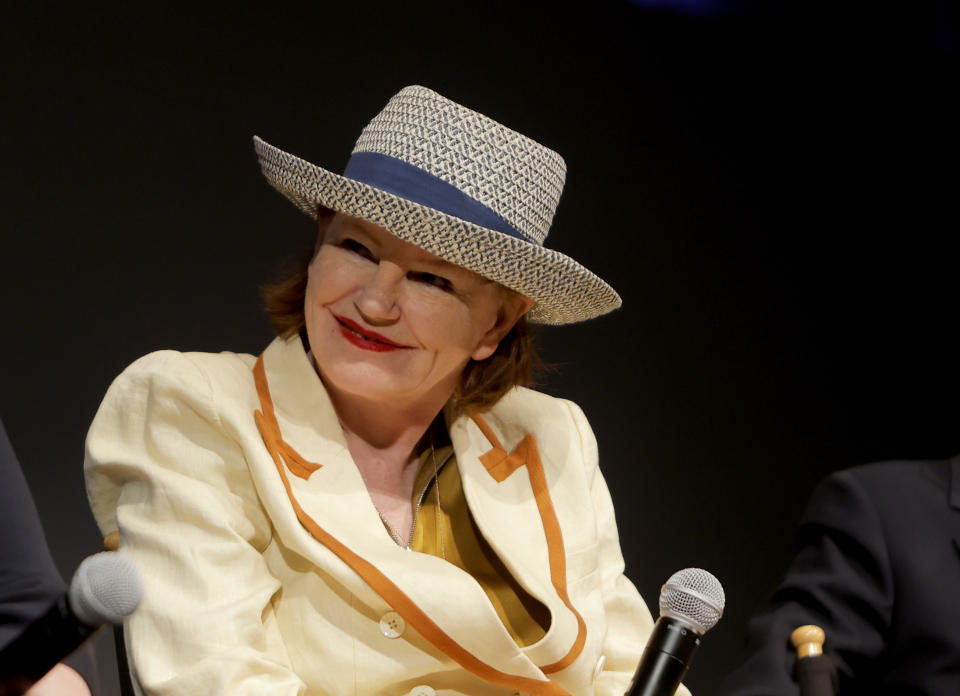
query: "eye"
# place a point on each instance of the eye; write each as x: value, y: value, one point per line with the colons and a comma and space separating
x: 431, y: 279
x: 357, y: 248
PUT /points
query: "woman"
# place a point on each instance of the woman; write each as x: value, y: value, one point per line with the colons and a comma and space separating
x: 372, y: 506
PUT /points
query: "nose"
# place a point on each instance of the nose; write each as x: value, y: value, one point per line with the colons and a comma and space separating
x: 377, y: 297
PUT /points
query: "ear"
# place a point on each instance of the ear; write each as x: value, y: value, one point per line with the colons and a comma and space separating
x: 514, y: 306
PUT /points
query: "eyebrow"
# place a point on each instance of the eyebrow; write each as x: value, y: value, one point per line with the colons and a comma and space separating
x: 440, y: 263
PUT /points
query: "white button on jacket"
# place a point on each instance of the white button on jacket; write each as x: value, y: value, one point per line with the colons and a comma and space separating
x: 421, y: 690
x: 392, y: 624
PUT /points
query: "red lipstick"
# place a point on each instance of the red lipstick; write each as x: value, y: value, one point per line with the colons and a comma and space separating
x: 364, y: 338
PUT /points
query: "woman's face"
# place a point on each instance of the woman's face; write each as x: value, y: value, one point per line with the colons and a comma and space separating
x: 391, y: 323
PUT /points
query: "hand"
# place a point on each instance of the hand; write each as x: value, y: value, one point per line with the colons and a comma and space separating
x: 60, y: 681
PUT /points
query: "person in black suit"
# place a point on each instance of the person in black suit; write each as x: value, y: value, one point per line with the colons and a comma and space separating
x: 29, y: 581
x: 878, y: 568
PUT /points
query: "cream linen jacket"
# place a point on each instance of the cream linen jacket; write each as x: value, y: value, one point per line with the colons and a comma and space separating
x: 268, y: 571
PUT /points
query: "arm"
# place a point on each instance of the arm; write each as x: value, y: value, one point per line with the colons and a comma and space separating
x: 162, y: 471
x: 29, y: 580
x: 839, y: 580
x: 629, y: 622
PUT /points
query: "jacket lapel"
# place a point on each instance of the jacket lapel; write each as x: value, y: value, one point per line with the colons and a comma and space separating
x: 501, y: 487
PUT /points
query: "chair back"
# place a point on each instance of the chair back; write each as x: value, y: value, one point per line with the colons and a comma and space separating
x: 110, y: 543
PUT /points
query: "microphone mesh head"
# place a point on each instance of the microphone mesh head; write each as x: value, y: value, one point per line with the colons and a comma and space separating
x: 105, y: 588
x: 695, y: 596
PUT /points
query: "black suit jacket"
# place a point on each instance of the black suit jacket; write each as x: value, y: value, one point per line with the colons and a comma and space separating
x: 878, y: 568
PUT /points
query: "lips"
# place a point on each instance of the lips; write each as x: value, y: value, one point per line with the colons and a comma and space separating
x: 365, y: 338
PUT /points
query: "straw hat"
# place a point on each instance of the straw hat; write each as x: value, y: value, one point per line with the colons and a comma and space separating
x: 461, y: 186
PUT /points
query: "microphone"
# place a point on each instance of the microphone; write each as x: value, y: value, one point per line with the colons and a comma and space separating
x: 691, y: 603
x: 105, y: 588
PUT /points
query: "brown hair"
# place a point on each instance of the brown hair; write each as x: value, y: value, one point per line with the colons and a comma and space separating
x: 482, y: 383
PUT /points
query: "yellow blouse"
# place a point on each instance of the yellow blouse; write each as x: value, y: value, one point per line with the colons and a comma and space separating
x: 444, y: 527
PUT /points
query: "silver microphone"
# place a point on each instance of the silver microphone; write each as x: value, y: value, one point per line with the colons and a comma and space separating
x: 105, y: 589
x: 691, y: 603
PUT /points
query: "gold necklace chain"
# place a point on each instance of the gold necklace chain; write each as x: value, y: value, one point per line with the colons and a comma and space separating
x: 436, y: 485
x: 392, y: 531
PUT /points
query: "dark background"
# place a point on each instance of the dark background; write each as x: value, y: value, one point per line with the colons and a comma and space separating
x: 771, y: 187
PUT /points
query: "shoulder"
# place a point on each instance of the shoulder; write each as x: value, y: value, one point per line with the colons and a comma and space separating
x: 885, y: 505
x: 531, y: 405
x: 524, y: 410
x: 889, y: 484
x: 894, y: 475
x: 181, y: 376
x: 186, y: 367
x: 165, y: 393
x: 165, y: 422
x: 169, y: 388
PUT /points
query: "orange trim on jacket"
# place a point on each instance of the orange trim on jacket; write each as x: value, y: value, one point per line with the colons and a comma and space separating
x: 270, y: 429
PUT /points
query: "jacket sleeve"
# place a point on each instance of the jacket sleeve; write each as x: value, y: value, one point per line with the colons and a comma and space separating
x: 29, y: 580
x: 162, y: 471
x: 629, y: 622
x: 840, y: 580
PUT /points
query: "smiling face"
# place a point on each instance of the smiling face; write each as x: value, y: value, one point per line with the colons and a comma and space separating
x: 391, y: 323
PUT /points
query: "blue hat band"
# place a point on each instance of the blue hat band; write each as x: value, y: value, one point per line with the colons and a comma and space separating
x: 415, y: 184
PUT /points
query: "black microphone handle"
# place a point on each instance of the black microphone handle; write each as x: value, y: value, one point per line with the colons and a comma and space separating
x: 45, y: 642
x: 665, y: 659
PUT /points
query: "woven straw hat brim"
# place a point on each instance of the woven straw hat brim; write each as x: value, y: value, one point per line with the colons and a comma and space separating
x: 565, y: 292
